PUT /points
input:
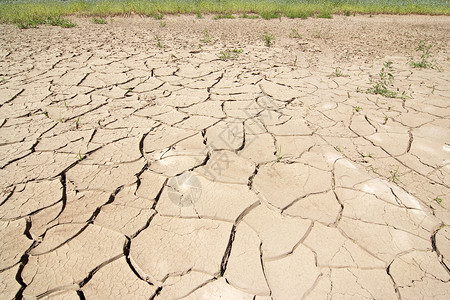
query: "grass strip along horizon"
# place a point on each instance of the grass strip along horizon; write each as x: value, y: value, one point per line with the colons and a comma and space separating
x: 32, y: 13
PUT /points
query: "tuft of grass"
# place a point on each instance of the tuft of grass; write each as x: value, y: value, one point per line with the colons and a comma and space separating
x: 206, y: 37
x: 267, y: 15
x: 395, y: 176
x: 268, y: 39
x: 159, y: 43
x: 158, y: 16
x: 99, y: 21
x: 325, y: 15
x: 294, y: 34
x: 199, y: 15
x: 250, y: 16
x: 298, y: 14
x: 337, y: 73
x: 347, y: 13
x: 230, y: 54
x: 224, y: 16
x: 280, y: 156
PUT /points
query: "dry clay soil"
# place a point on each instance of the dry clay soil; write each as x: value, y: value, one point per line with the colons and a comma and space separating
x: 142, y: 160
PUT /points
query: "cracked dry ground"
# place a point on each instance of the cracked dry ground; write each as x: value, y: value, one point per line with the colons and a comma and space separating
x: 301, y: 187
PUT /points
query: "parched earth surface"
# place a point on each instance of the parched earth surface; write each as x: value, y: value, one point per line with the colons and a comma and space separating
x: 164, y: 159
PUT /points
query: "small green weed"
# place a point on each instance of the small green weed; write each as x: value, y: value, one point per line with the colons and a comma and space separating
x: 370, y: 155
x: 199, y: 15
x: 395, y: 175
x: 268, y: 39
x: 347, y: 13
x: 80, y: 158
x: 382, y: 85
x: 99, y: 21
x: 325, y: 15
x: 357, y: 108
x: 159, y: 43
x: 163, y: 24
x: 206, y: 37
x: 267, y: 15
x: 230, y: 54
x: 77, y: 122
x: 279, y: 155
x: 338, y: 149
x: 337, y: 73
x: 294, y: 34
x: 224, y: 16
x: 439, y: 201
x: 251, y: 16
x: 423, y: 62
x: 158, y: 16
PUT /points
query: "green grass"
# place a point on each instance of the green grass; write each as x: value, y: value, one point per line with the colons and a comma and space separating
x: 268, y: 39
x: 31, y: 13
x: 230, y: 54
x: 298, y: 14
x: 99, y: 21
x: 224, y: 16
x: 325, y: 15
x: 249, y: 16
x: 33, y: 22
x: 267, y: 15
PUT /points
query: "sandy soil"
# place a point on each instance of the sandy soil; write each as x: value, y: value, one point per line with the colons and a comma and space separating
x: 146, y: 157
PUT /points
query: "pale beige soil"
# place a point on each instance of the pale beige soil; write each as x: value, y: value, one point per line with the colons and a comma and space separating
x: 134, y: 170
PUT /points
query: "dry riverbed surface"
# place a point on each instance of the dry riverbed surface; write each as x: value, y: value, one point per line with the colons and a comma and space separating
x: 183, y: 157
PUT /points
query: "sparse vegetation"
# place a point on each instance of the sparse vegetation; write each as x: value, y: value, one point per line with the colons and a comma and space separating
x: 268, y: 39
x: 230, y: 54
x: 294, y: 34
x: 99, y: 21
x: 383, y: 84
x: 206, y: 37
x: 159, y: 43
x: 337, y: 73
x: 424, y: 61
